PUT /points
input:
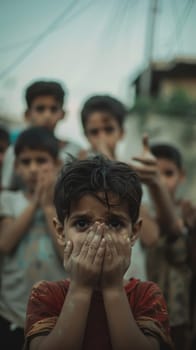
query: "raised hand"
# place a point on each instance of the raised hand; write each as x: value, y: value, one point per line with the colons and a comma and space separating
x: 147, y: 168
x: 146, y: 152
x: 84, y: 261
x: 46, y: 182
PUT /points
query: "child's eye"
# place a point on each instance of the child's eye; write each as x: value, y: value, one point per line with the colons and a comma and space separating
x: 81, y: 224
x: 169, y: 173
x: 115, y: 224
x: 41, y: 160
x: 25, y: 161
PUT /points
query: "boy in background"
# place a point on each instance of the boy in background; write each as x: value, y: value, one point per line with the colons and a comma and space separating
x: 161, y: 170
x: 45, y: 107
x: 102, y: 119
x: 189, y: 217
x: 27, y: 243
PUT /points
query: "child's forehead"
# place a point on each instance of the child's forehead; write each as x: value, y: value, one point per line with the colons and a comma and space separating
x: 31, y: 152
x: 98, y: 116
x: 164, y: 162
x: 106, y: 202
x: 46, y: 99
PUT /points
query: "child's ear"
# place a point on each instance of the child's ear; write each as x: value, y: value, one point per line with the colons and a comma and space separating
x: 63, y: 114
x: 60, y: 235
x: 135, y: 231
x: 27, y: 115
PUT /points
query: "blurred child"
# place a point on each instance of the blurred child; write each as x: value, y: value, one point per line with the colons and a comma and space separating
x: 27, y: 242
x: 45, y: 107
x: 4, y: 143
x: 97, y: 203
x: 168, y: 259
x: 149, y: 233
x: 102, y: 119
x: 189, y: 217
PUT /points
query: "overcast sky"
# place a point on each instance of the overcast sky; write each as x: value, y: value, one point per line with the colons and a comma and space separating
x: 92, y: 46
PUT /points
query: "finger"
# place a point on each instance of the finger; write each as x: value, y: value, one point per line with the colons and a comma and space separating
x: 145, y: 171
x: 108, y: 256
x: 87, y: 242
x: 67, y: 252
x: 126, y: 244
x: 145, y: 161
x: 145, y: 143
x: 111, y: 245
x: 94, y: 245
x: 77, y: 248
x: 145, y: 177
x: 117, y: 242
x: 146, y: 148
x: 79, y: 243
x: 98, y: 260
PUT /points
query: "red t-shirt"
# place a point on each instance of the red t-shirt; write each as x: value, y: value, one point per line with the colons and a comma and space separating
x: 146, y: 303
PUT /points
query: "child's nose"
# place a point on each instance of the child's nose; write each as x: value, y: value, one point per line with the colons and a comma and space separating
x: 33, y: 167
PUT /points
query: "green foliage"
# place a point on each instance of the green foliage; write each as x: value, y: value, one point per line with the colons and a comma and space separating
x: 179, y: 105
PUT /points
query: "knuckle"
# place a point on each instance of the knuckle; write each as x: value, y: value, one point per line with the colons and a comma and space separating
x: 86, y: 243
x: 100, y: 254
x: 93, y: 246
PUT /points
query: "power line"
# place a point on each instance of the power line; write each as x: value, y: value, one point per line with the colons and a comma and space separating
x: 116, y: 26
x: 180, y: 24
x: 16, y: 45
x: 113, y: 28
x: 51, y: 28
x: 19, y: 44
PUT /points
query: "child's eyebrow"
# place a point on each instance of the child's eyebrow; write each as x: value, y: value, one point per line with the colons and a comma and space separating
x: 117, y: 216
x: 109, y: 215
x: 81, y: 215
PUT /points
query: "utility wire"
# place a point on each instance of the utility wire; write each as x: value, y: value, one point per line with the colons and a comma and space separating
x: 180, y: 25
x: 51, y: 28
x: 24, y: 42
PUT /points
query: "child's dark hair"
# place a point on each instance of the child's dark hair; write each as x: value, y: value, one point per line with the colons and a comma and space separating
x: 4, y: 135
x: 37, y: 138
x: 95, y: 175
x: 44, y: 88
x: 167, y: 151
x: 103, y: 103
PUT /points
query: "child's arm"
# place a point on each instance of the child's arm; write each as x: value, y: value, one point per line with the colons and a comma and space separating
x: 13, y: 229
x: 150, y: 231
x: 124, y: 332
x: 47, y: 180
x: 84, y: 265
x: 149, y: 175
x: 165, y: 209
x: 69, y: 330
x: 189, y: 218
